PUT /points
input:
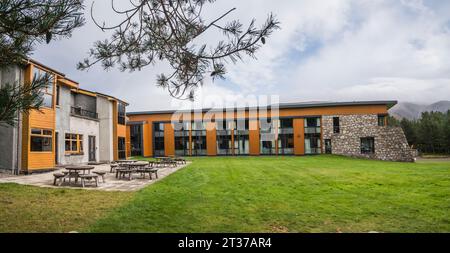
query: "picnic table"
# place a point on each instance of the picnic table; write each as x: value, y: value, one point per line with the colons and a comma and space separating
x: 80, y: 172
x: 129, y: 168
x: 80, y: 168
x: 125, y: 161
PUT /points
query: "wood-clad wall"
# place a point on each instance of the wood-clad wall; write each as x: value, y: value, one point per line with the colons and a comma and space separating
x: 128, y: 142
x: 169, y: 140
x: 147, y: 140
x: 253, y: 137
x: 299, y: 137
x: 211, y: 137
x: 45, y: 118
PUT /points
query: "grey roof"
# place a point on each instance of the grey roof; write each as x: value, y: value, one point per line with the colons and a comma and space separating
x: 388, y: 103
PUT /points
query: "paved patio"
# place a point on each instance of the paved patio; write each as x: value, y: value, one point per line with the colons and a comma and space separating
x: 111, y: 182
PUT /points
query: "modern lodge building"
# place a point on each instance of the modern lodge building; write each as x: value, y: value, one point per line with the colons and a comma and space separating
x: 357, y: 129
x: 73, y: 126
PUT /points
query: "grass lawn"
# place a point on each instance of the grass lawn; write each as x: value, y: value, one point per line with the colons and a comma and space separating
x: 291, y: 194
x: 34, y: 209
x: 250, y: 194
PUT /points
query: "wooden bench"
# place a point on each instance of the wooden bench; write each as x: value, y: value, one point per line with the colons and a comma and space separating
x: 60, y: 177
x: 101, y: 174
x: 88, y: 177
x: 113, y: 167
x: 121, y: 173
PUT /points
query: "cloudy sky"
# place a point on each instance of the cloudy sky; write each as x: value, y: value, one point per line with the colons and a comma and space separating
x: 333, y: 50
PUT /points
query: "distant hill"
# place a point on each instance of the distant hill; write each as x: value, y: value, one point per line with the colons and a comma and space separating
x: 413, y: 111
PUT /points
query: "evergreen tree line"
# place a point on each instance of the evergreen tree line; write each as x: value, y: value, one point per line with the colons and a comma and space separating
x: 428, y: 134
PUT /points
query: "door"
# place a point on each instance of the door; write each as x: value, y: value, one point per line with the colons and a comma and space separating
x: 56, y: 148
x: 92, y: 149
x: 328, y: 146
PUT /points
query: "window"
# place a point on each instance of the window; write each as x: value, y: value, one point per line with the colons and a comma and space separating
x: 241, y: 137
x: 41, y: 140
x: 136, y: 140
x: 223, y: 137
x: 58, y: 91
x: 158, y: 139
x: 181, y: 132
x: 121, y: 148
x: 121, y: 114
x: 336, y: 127
x: 74, y: 143
x: 367, y: 145
x: 267, y: 137
x: 46, y: 93
x: 312, y: 144
x: 312, y: 135
x: 241, y: 124
x: 286, y: 136
x: 381, y: 120
x: 312, y: 125
x: 198, y: 138
x: 158, y: 127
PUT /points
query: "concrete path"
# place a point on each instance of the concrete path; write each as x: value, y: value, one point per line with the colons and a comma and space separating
x: 111, y: 182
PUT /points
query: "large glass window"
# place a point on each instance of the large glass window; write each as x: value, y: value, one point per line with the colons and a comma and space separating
x: 41, y: 140
x: 381, y: 120
x: 46, y: 93
x: 285, y: 136
x: 224, y: 137
x: 312, y: 135
x: 267, y: 137
x: 121, y: 113
x: 74, y: 143
x: 241, y: 137
x: 181, y: 131
x: 198, y: 138
x: 368, y: 145
x: 136, y: 140
x: 158, y: 139
x: 336, y: 125
x: 121, y: 148
x: 312, y: 125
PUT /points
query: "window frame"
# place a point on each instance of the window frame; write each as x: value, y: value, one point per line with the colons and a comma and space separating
x: 371, y: 145
x: 41, y: 134
x: 79, y: 142
x: 336, y: 127
x: 383, y: 117
x: 37, y: 72
x: 121, y: 113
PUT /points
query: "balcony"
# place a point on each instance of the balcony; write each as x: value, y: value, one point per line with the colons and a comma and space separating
x: 77, y: 111
x: 312, y: 130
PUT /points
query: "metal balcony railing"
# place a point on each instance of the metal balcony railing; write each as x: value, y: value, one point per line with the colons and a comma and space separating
x: 84, y: 113
x: 312, y: 130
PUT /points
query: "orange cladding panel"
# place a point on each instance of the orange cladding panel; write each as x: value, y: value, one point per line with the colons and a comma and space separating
x: 299, y: 133
x: 254, y: 137
x: 147, y: 140
x: 127, y: 142
x: 169, y: 140
x: 211, y: 138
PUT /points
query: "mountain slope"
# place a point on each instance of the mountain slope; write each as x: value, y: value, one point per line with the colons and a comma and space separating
x: 413, y: 111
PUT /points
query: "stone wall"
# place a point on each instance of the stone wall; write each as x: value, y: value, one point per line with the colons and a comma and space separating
x: 390, y: 142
